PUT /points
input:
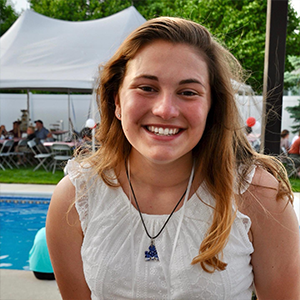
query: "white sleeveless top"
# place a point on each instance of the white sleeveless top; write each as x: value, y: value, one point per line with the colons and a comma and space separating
x: 115, y: 242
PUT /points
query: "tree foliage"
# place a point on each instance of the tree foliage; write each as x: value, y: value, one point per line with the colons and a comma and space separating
x: 292, y: 79
x: 7, y: 16
x: 295, y: 114
x: 78, y: 10
x: 239, y: 25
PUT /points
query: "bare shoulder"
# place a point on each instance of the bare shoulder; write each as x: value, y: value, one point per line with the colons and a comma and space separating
x: 262, y: 195
x: 64, y: 239
x: 262, y: 204
x: 263, y: 188
x: 275, y: 238
x: 64, y: 189
x: 62, y: 209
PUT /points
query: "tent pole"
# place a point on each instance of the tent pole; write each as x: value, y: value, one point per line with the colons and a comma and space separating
x: 69, y: 110
x: 28, y: 107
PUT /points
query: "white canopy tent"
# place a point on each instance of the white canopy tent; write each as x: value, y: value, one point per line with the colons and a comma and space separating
x: 41, y: 53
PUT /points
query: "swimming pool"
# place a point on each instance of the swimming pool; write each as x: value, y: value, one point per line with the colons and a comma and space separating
x: 20, y: 219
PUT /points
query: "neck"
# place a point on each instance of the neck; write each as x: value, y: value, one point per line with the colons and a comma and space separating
x: 160, y: 175
x: 157, y: 187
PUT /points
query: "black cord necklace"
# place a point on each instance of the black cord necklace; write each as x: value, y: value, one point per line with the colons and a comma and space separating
x: 152, y: 253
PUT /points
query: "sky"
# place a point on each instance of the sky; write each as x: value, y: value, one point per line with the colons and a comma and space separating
x: 23, y: 4
x: 20, y: 5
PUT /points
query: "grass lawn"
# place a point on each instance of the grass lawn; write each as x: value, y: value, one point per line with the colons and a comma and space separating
x: 40, y: 176
x: 295, y: 182
x: 26, y: 175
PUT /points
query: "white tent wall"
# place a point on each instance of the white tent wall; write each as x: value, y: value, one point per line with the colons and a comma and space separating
x: 10, y: 108
x: 49, y: 108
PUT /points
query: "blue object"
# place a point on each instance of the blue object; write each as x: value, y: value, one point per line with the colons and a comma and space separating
x: 152, y: 253
x: 39, y: 259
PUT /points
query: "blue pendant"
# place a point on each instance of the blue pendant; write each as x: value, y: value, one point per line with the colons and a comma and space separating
x: 152, y: 253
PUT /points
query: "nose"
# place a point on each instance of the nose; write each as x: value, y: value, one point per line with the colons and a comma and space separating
x: 166, y: 106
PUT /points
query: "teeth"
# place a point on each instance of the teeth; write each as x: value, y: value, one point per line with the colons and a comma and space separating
x: 162, y: 131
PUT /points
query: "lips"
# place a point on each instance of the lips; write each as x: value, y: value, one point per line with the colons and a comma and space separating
x: 163, y: 131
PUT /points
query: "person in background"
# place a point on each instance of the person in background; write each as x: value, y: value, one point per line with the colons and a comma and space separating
x: 15, y: 132
x: 85, y: 144
x: 41, y: 132
x: 252, y: 138
x: 30, y: 133
x: 3, y: 132
x: 39, y: 259
x: 86, y: 134
x: 294, y: 153
x: 174, y: 204
x: 284, y: 140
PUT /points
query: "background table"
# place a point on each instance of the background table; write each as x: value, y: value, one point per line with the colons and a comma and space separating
x: 49, y: 144
x: 16, y: 140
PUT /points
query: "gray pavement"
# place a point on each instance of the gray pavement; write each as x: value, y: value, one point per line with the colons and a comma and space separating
x: 38, y: 190
x: 22, y: 285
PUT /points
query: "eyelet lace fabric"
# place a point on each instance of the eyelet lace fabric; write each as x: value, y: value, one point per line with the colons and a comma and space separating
x: 115, y: 242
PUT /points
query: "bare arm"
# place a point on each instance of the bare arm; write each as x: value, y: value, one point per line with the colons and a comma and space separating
x: 275, y: 235
x: 64, y: 239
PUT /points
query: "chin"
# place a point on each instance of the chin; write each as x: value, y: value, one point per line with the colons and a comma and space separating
x: 164, y: 158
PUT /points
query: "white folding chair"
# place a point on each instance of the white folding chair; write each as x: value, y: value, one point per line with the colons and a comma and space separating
x: 41, y: 157
x: 25, y: 152
x: 17, y: 153
x: 60, y: 152
x: 5, y: 153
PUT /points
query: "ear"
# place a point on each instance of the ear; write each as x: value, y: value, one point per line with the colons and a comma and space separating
x: 118, y: 107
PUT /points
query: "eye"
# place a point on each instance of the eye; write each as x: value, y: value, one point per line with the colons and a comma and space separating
x: 146, y: 88
x: 188, y: 93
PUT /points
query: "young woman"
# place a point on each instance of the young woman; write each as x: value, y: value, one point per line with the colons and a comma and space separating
x: 174, y: 204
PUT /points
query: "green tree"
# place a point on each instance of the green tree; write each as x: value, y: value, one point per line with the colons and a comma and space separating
x: 292, y: 79
x: 295, y: 114
x: 7, y: 16
x: 239, y: 25
x: 78, y: 10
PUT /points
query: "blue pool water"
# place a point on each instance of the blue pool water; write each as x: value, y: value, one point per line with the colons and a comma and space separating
x: 20, y: 219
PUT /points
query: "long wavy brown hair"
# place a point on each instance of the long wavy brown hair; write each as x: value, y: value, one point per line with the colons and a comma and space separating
x: 223, y: 147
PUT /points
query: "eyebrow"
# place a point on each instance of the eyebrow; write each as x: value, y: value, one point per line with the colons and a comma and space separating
x: 191, y: 80
x: 185, y: 81
x: 151, y: 77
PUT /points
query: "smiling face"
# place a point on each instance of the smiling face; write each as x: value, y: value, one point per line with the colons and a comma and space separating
x: 164, y: 101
